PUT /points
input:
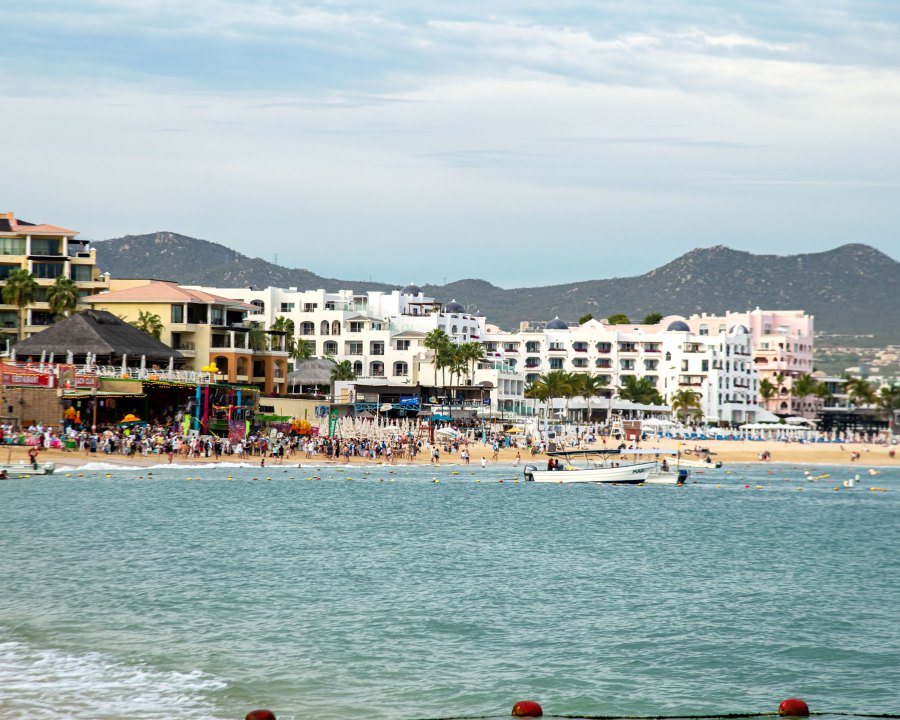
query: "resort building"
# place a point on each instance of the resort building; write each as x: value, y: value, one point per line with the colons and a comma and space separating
x: 782, y: 352
x: 669, y: 355
x: 382, y: 335
x: 205, y: 328
x: 47, y: 252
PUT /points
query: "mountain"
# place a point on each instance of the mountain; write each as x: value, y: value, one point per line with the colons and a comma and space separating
x: 851, y: 290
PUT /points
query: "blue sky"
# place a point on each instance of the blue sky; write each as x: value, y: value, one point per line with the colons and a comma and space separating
x: 518, y: 142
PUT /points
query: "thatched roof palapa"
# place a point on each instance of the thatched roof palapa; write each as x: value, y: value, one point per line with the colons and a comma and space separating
x: 316, y: 371
x: 97, y: 332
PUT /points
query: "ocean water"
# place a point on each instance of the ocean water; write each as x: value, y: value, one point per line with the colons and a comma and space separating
x: 335, y: 592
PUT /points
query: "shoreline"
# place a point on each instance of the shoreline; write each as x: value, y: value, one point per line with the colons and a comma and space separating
x: 743, y: 452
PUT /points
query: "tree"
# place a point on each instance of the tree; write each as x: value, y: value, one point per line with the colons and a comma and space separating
x: 473, y: 352
x: 804, y: 386
x: 557, y: 384
x: 286, y: 325
x: 149, y: 322
x: 257, y: 338
x: 438, y: 341
x: 539, y: 391
x: 859, y: 391
x: 652, y: 318
x: 618, y: 319
x: 62, y: 296
x: 767, y: 390
x: 589, y: 386
x: 889, y: 402
x: 639, y: 390
x: 584, y: 318
x: 341, y: 371
x: 685, y: 403
x: 21, y: 290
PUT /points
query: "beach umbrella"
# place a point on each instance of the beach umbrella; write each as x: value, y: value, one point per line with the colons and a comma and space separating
x: 143, y: 364
x: 124, y: 365
x: 50, y: 359
x: 171, y: 363
x: 43, y: 356
x: 70, y: 357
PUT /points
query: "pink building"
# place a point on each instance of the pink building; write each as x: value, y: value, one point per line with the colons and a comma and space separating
x: 782, y: 352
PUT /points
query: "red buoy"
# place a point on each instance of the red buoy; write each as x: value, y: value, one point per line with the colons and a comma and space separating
x: 527, y: 708
x: 260, y: 715
x: 793, y: 707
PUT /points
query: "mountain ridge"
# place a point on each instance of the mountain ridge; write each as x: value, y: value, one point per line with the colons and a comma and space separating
x: 847, y: 288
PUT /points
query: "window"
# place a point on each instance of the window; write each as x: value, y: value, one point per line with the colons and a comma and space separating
x: 287, y: 307
x: 48, y: 271
x: 41, y: 317
x: 401, y: 368
x: 532, y: 347
x: 307, y: 328
x: 259, y: 368
x: 357, y: 367
x: 580, y: 362
x: 178, y: 313
x: 45, y: 246
x: 651, y: 364
x: 684, y: 365
x: 376, y: 369
x: 604, y: 347
x: 356, y: 326
x: 222, y: 363
x: 556, y: 363
x: 355, y: 348
x: 9, y: 319
x: 626, y: 364
x: 403, y: 344
x: 330, y: 348
x: 241, y: 366
x: 5, y: 270
x: 336, y: 327
x: 309, y: 307
x: 81, y: 273
x: 323, y: 328
x: 12, y: 246
x: 704, y: 329
x: 217, y: 316
x: 704, y: 366
x: 603, y: 363
x: 259, y: 305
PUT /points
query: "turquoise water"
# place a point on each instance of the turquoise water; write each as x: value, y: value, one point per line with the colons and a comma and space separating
x: 392, y: 596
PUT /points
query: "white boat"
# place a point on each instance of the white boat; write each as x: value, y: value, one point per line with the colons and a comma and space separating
x: 18, y: 469
x: 601, y: 466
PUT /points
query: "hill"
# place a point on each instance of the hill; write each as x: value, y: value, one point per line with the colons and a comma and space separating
x: 851, y: 289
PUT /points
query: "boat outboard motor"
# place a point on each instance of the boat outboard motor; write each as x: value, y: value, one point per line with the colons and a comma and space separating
x: 682, y: 477
x: 528, y: 470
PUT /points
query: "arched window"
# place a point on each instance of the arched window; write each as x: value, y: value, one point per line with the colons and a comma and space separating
x: 323, y: 328
x: 336, y: 327
x: 330, y: 348
x: 357, y: 367
x: 401, y: 368
x: 454, y: 330
x: 242, y: 366
x: 668, y: 356
x: 222, y: 363
x: 376, y: 369
x: 307, y: 328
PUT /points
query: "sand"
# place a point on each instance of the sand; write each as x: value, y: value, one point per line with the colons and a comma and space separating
x: 728, y: 451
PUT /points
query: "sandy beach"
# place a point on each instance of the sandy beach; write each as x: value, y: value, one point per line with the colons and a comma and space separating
x: 728, y: 451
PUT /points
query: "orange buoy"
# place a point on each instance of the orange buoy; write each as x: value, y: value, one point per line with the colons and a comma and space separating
x: 527, y: 708
x: 794, y: 707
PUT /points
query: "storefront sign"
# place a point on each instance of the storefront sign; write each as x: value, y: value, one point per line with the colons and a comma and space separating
x: 23, y: 377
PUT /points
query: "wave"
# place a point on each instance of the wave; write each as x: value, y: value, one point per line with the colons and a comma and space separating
x: 106, y: 466
x: 47, y: 683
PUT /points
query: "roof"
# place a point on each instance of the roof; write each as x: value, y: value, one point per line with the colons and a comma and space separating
x: 409, y: 334
x: 163, y: 291
x: 95, y: 331
x: 9, y: 224
x: 316, y: 371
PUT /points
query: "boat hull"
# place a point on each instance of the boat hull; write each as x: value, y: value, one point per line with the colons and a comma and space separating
x: 19, y: 469
x: 624, y: 475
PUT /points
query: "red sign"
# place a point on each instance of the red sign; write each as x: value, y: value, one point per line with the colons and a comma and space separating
x: 24, y: 377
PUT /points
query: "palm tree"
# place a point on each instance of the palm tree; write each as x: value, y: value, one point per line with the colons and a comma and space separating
x: 473, y: 352
x: 286, y: 325
x: 257, y: 338
x: 589, y: 386
x: 21, y: 290
x: 641, y: 390
x: 438, y: 341
x: 767, y: 389
x: 62, y: 296
x: 149, y: 322
x: 558, y: 384
x: 341, y: 371
x: 889, y: 402
x: 860, y: 391
x: 685, y: 402
x: 539, y: 391
x: 804, y: 386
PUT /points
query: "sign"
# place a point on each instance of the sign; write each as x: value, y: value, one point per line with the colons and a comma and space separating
x: 23, y: 377
x: 411, y: 400
x: 332, y: 423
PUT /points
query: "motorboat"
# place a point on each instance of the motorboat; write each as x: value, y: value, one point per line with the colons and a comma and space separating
x: 18, y: 469
x: 597, y: 466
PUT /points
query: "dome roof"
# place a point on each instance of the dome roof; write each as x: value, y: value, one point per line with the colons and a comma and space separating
x: 739, y: 330
x: 557, y: 324
x: 678, y: 326
x: 454, y: 307
x: 411, y: 289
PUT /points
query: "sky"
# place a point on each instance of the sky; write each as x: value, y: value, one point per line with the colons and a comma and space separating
x: 523, y: 143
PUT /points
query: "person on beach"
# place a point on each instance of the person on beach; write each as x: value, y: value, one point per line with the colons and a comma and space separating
x: 483, y: 462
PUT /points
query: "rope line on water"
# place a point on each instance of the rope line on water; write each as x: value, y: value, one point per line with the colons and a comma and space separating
x: 717, y: 716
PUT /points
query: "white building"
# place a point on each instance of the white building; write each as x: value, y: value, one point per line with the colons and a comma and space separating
x: 381, y: 334
x: 718, y: 366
